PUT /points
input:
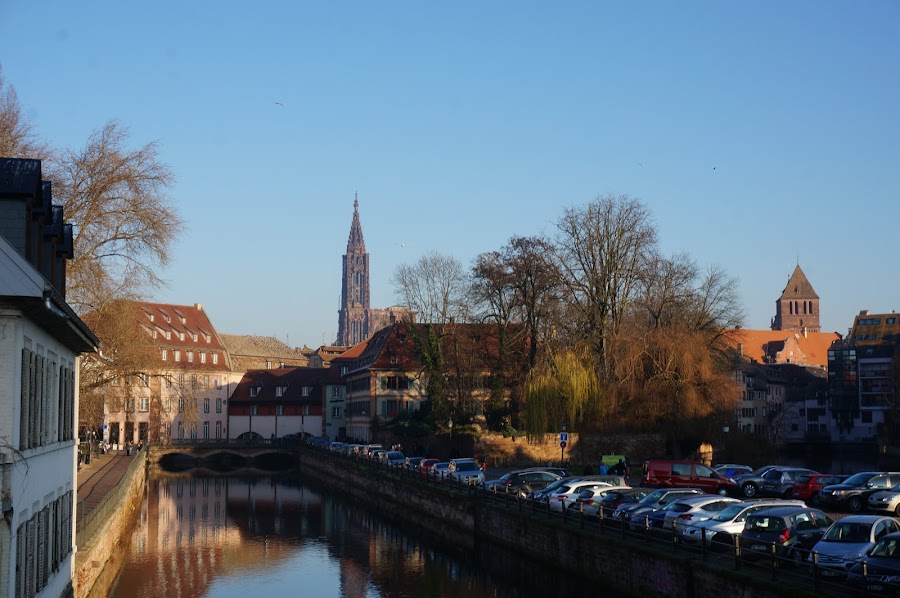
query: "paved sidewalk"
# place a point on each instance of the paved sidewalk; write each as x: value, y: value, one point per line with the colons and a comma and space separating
x: 98, y: 478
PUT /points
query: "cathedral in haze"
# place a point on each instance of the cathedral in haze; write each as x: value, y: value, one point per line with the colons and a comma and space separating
x: 356, y: 320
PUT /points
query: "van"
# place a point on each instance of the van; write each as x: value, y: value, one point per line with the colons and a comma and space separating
x: 662, y: 473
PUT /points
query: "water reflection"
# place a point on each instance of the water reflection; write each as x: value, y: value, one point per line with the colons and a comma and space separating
x: 224, y: 537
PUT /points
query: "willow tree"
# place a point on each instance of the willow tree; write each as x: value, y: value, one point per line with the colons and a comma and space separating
x: 562, y: 388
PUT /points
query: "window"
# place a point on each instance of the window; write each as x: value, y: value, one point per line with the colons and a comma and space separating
x: 393, y: 359
x: 206, y: 409
x: 335, y: 412
x: 254, y: 410
x: 190, y: 356
x: 194, y: 337
x: 144, y: 404
x: 218, y: 436
x: 180, y: 410
x: 168, y: 335
x: 215, y: 357
x: 268, y: 364
x: 206, y: 430
x: 254, y: 390
x: 207, y: 337
x: 177, y: 355
x: 168, y: 381
x: 202, y: 357
x: 336, y: 392
x: 168, y: 404
x: 181, y: 379
x: 218, y: 405
x: 165, y: 354
x: 279, y: 391
x: 206, y: 381
x: 305, y: 391
x: 343, y: 370
x: 279, y: 409
x: 155, y: 332
x: 193, y: 380
x: 181, y: 336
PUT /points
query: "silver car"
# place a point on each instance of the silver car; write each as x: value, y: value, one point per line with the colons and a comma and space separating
x: 886, y: 501
x: 848, y: 540
x: 694, y: 509
x: 729, y: 522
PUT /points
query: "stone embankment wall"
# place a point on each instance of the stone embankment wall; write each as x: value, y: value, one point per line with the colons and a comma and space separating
x: 99, y: 558
x: 630, y: 566
x: 503, y: 451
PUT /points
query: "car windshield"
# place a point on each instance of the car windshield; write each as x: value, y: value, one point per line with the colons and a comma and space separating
x: 858, y: 480
x: 853, y: 533
x: 653, y: 497
x: 554, y: 485
x: 760, y: 471
x: 466, y: 466
x: 886, y: 548
x: 729, y: 513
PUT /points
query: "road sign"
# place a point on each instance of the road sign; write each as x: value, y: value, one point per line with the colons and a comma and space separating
x: 562, y: 444
x: 564, y: 437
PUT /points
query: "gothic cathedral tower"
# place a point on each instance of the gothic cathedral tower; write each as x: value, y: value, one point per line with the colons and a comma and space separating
x: 798, y: 307
x: 353, y: 316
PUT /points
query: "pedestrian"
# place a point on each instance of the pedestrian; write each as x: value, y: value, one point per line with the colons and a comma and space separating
x: 603, y: 469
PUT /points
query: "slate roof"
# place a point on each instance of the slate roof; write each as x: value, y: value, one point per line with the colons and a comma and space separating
x: 260, y: 346
x: 292, y: 379
x: 798, y: 287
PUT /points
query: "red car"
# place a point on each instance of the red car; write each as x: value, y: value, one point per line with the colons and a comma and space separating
x: 808, y: 487
x: 425, y: 466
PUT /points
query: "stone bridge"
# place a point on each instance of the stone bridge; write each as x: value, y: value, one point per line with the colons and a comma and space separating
x: 223, y: 454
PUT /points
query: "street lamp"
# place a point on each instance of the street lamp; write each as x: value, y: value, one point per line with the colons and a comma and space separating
x: 563, y: 439
x: 725, y: 430
x: 450, y: 425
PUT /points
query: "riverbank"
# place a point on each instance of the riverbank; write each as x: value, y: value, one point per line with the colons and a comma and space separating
x: 110, y: 489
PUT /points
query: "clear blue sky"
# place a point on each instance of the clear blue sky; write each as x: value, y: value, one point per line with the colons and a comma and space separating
x: 768, y: 131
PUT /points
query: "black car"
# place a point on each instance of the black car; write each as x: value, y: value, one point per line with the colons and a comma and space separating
x: 853, y: 493
x: 793, y: 531
x: 522, y: 482
x: 778, y: 482
x: 750, y: 484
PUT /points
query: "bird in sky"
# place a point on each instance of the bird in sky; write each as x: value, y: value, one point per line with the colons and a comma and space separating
x: 279, y: 103
x: 641, y: 164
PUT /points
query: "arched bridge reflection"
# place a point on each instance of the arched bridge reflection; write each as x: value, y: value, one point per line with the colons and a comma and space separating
x: 224, y: 455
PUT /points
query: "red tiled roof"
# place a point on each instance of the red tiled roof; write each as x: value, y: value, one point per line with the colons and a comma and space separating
x: 784, y: 346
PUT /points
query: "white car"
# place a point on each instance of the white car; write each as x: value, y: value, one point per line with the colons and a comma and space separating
x: 466, y: 471
x: 694, y: 509
x: 569, y: 492
x: 848, y: 540
x: 588, y: 500
x: 730, y: 521
x: 886, y: 501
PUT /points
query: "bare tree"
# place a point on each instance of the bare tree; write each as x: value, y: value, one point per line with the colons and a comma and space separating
x: 18, y: 138
x: 602, y: 250
x: 125, y: 226
x: 434, y: 288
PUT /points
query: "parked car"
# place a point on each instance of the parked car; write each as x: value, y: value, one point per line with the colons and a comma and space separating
x: 426, y: 464
x: 724, y: 525
x: 793, y: 531
x: 750, y: 483
x: 542, y: 493
x: 730, y: 470
x: 848, y: 540
x: 685, y: 474
x: 778, y: 482
x: 394, y: 458
x: 368, y: 450
x: 885, y: 501
x: 690, y: 510
x: 809, y: 487
x: 466, y: 471
x: 522, y: 482
x: 590, y: 501
x: 412, y: 463
x: 853, y: 493
x: 652, y: 502
x: 882, y: 568
x: 612, y: 500
x: 570, y: 490
x: 439, y: 469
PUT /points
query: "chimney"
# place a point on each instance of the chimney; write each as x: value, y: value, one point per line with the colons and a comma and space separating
x: 199, y: 306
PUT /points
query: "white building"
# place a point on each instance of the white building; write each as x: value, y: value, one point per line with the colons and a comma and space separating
x: 40, y: 341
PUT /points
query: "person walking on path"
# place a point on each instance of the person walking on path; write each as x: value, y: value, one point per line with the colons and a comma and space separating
x: 603, y: 469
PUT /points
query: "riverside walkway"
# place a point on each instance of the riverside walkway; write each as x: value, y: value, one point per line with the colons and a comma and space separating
x: 97, y: 479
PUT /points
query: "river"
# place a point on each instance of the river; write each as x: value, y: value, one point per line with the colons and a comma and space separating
x: 223, y: 537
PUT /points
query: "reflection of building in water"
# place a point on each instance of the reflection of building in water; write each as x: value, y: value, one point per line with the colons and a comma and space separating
x: 193, y: 530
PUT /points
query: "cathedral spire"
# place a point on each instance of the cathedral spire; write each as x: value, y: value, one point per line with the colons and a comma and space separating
x: 355, y: 243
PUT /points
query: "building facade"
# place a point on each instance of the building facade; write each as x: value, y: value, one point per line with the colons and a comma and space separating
x: 275, y: 403
x: 41, y: 339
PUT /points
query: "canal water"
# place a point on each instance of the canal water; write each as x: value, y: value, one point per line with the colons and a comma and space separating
x: 267, y: 537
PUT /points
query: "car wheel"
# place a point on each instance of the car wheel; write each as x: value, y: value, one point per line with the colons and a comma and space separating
x: 854, y: 503
x: 749, y: 489
x: 722, y: 492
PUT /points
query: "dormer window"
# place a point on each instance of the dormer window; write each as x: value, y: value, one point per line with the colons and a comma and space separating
x: 168, y: 335
x: 168, y: 319
x: 306, y: 390
x: 254, y: 390
x: 181, y: 336
x: 393, y: 359
x: 344, y: 369
x: 154, y: 333
x: 280, y: 390
x: 207, y: 337
x: 151, y: 317
x: 183, y: 320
